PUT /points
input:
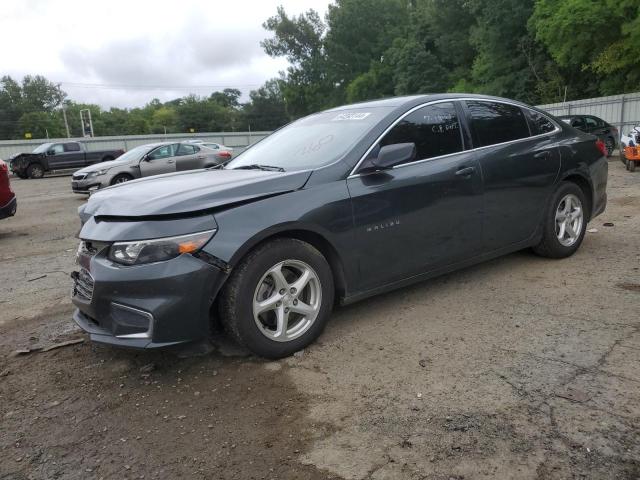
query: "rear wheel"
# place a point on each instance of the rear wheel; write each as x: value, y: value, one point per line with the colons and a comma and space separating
x: 35, y: 170
x: 122, y: 178
x: 623, y: 159
x: 631, y: 165
x: 565, y: 222
x: 278, y: 298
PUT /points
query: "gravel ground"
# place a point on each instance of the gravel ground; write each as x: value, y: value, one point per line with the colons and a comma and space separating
x: 517, y: 368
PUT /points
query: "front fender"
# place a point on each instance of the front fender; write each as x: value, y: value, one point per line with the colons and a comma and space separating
x: 323, y: 211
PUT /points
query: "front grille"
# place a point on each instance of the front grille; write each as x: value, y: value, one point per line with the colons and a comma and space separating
x: 79, y: 176
x: 83, y: 285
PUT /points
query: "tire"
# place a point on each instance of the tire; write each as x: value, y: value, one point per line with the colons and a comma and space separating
x: 35, y: 170
x: 251, y: 282
x: 610, y: 144
x: 623, y: 159
x: 121, y: 178
x: 632, y: 165
x: 551, y: 246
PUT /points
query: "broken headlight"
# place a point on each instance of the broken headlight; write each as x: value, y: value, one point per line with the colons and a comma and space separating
x: 159, y: 249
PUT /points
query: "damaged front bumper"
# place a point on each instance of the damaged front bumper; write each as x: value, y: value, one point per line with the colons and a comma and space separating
x: 146, y: 306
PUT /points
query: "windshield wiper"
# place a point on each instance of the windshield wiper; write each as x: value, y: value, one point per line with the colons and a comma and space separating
x: 255, y: 166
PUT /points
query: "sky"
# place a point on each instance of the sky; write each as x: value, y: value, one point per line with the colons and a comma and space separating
x: 125, y: 53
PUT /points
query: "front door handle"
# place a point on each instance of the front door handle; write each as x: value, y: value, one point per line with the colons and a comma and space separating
x: 465, y: 171
x: 171, y: 161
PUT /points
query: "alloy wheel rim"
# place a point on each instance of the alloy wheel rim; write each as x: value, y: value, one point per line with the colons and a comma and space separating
x: 569, y: 219
x: 287, y: 300
x: 122, y: 180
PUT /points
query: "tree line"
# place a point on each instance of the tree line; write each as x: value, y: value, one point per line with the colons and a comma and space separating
x: 536, y: 51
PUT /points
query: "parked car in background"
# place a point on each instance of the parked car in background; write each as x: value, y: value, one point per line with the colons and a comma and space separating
x: 8, y: 202
x: 213, y: 146
x: 58, y: 156
x: 344, y: 204
x: 595, y: 126
x: 144, y: 161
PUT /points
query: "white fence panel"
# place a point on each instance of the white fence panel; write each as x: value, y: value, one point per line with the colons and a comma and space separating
x: 238, y: 140
x: 619, y: 110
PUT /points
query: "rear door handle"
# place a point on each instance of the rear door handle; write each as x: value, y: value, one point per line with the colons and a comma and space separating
x: 465, y: 171
x: 171, y: 161
x: 546, y: 154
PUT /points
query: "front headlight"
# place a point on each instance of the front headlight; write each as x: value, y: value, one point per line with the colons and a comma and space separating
x: 97, y: 173
x: 157, y: 250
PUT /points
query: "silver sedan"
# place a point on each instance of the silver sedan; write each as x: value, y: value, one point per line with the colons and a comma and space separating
x: 144, y: 161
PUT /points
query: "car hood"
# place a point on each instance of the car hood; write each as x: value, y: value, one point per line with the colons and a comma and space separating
x: 188, y: 192
x: 102, y: 165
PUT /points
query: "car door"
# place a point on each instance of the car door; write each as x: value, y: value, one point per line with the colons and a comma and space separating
x: 159, y: 160
x: 189, y: 157
x: 520, y: 161
x: 423, y: 214
x: 74, y: 156
x: 56, y: 157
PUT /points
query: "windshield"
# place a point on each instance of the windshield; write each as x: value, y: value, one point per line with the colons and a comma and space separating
x: 135, y: 153
x: 311, y: 142
x: 42, y: 148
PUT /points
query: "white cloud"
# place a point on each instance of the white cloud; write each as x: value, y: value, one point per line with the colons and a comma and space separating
x: 146, y: 48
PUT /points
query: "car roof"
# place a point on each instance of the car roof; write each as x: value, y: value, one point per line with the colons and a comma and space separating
x: 413, y: 100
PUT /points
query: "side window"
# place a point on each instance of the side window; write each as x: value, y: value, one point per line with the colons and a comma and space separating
x: 165, y: 151
x: 538, y: 123
x: 591, y: 122
x: 434, y: 129
x: 494, y: 122
x: 57, y: 148
x: 578, y: 122
x: 71, y: 147
x: 186, y: 149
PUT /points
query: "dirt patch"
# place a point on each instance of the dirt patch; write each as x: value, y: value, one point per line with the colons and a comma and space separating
x: 85, y: 411
x: 632, y: 287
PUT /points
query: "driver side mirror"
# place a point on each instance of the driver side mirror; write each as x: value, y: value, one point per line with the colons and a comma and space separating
x: 391, y: 155
x: 51, y: 151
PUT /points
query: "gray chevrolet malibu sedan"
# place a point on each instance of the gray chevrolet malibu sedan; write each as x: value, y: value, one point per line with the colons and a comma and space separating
x: 333, y: 208
x: 144, y: 161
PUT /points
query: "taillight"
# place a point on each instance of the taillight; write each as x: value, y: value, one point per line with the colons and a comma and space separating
x: 602, y: 147
x: 3, y: 167
x: 224, y: 154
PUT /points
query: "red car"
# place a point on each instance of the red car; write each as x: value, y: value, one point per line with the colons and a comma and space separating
x: 8, y: 202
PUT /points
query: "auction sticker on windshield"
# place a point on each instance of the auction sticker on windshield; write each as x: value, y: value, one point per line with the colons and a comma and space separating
x: 351, y: 116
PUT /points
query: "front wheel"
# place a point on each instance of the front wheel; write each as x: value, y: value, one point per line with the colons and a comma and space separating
x: 122, y: 178
x: 565, y: 222
x: 631, y: 165
x: 279, y: 298
x: 35, y: 170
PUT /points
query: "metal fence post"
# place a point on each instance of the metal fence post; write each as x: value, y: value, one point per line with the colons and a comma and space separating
x: 622, y: 101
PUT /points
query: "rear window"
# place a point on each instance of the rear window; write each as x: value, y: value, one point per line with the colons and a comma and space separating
x: 71, y: 147
x: 494, y: 122
x: 538, y: 123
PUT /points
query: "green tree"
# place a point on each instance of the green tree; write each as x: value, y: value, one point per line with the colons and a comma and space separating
x: 266, y: 109
x: 592, y: 40
x: 164, y: 119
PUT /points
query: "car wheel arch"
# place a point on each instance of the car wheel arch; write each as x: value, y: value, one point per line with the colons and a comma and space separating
x: 585, y: 185
x: 310, y: 236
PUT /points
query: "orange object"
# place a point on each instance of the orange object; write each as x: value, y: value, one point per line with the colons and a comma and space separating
x: 632, y: 153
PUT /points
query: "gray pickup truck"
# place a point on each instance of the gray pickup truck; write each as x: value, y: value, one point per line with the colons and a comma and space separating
x: 58, y: 156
